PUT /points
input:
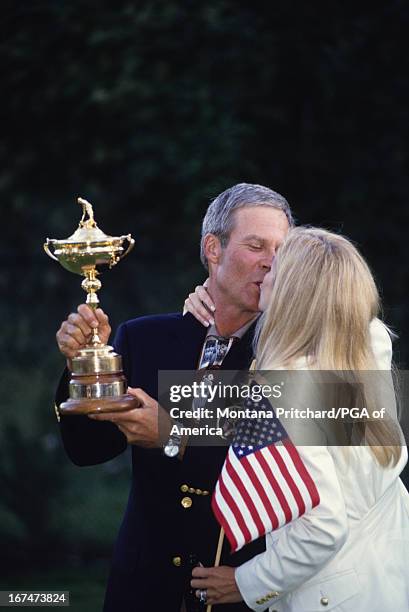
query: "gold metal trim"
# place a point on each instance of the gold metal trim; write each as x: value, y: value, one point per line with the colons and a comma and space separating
x: 57, y: 413
x: 92, y: 360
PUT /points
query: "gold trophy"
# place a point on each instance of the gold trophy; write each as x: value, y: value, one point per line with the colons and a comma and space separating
x: 97, y: 383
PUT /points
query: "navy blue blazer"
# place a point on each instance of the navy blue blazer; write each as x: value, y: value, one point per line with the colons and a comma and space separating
x: 159, y: 540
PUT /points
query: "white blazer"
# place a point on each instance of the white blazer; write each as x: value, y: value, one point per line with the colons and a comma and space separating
x: 351, y: 552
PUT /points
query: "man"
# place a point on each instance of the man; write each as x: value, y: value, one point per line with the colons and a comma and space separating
x: 168, y: 526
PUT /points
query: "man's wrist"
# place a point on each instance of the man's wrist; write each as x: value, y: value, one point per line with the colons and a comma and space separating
x: 172, y: 445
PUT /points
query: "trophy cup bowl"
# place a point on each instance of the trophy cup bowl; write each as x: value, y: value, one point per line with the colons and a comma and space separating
x: 97, y: 381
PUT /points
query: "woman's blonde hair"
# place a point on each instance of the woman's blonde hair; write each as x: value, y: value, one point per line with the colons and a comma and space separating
x: 322, y: 302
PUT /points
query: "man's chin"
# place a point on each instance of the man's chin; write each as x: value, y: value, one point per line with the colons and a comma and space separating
x: 253, y: 308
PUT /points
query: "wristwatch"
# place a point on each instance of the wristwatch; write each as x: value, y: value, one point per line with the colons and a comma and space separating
x: 171, y: 448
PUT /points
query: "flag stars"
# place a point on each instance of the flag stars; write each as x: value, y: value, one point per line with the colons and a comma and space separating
x: 254, y: 434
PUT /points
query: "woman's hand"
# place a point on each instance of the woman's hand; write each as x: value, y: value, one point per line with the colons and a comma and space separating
x: 200, y: 305
x: 219, y: 583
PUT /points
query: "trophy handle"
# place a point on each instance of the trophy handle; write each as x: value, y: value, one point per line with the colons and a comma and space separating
x: 131, y: 244
x: 47, y: 249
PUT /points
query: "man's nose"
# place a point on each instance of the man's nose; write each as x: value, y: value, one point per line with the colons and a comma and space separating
x: 267, y: 261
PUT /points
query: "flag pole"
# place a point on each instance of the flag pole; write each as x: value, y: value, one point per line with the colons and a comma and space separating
x: 217, y: 559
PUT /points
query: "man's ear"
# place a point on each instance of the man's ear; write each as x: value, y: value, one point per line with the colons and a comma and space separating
x: 212, y: 248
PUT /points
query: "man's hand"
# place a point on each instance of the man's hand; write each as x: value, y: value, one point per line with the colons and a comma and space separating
x: 148, y: 425
x: 76, y: 331
x: 219, y: 582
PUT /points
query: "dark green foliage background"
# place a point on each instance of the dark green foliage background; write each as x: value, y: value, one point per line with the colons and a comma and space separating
x: 149, y: 109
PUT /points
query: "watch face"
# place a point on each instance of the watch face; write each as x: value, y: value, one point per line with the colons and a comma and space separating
x: 171, y: 449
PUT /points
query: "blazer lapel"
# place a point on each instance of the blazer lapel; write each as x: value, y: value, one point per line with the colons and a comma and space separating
x: 189, y: 339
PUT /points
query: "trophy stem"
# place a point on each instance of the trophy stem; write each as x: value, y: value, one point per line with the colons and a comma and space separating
x: 91, y: 285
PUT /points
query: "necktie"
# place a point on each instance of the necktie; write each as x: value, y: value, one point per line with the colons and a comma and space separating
x: 214, y: 351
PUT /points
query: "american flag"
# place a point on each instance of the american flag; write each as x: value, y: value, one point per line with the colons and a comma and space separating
x: 263, y: 484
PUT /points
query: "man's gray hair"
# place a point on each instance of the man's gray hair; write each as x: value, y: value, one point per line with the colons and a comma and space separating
x: 219, y: 218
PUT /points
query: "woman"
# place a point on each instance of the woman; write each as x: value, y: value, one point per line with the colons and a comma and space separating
x: 350, y: 552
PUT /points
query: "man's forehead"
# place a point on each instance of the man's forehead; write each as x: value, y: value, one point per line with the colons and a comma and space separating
x: 260, y: 213
x: 261, y: 222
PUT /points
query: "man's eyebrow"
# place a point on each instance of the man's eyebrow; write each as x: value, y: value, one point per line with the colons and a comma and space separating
x: 254, y: 237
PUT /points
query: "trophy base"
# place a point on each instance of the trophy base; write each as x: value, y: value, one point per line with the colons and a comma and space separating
x: 85, y: 406
x: 97, y: 383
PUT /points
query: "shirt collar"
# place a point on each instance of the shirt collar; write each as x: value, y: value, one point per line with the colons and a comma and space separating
x: 212, y: 330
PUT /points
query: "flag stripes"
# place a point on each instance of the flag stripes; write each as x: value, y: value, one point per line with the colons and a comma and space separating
x: 260, y: 489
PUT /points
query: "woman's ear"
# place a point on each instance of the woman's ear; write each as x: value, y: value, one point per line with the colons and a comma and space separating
x: 212, y: 248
